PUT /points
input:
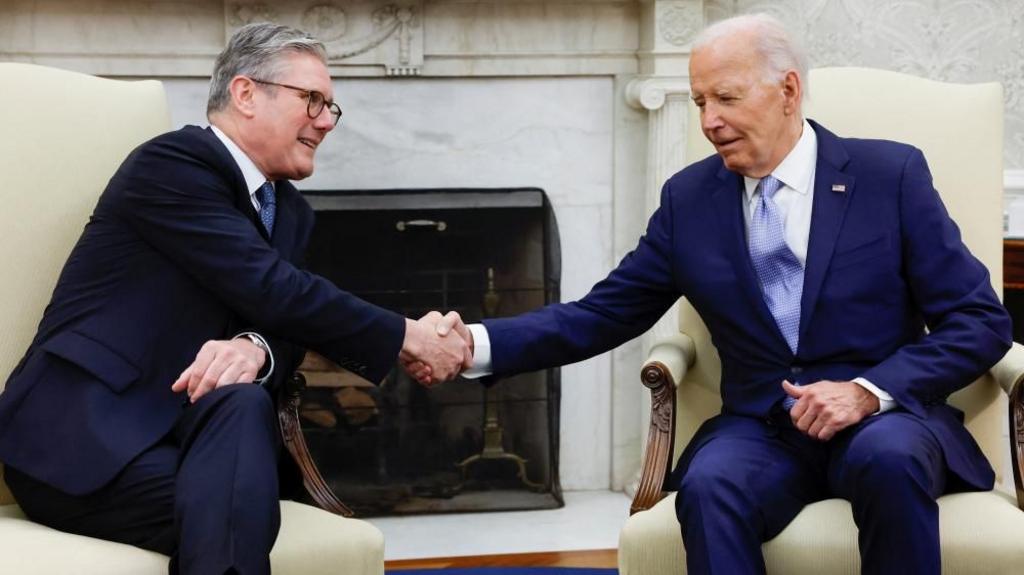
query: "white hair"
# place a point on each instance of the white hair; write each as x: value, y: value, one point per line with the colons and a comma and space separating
x: 779, y: 52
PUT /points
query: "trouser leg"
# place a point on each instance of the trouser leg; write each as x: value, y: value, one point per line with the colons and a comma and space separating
x: 740, y: 490
x: 207, y: 495
x: 136, y: 507
x: 227, y: 513
x: 891, y: 469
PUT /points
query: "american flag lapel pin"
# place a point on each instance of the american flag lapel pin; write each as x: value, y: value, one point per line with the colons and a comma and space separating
x: 839, y: 188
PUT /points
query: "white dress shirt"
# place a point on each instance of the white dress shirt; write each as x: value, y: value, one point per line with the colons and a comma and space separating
x: 254, y: 178
x: 794, y: 199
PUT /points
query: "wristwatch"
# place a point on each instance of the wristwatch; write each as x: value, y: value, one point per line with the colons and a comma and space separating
x: 257, y: 341
x: 261, y: 343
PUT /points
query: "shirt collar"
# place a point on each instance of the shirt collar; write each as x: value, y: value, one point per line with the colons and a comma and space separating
x: 797, y: 169
x: 254, y: 178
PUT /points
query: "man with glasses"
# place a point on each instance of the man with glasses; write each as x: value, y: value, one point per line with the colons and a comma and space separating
x: 142, y: 412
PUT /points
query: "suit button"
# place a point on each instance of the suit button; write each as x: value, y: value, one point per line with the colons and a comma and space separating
x: 796, y: 370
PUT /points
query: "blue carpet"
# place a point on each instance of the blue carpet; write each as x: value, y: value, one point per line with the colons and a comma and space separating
x: 507, y: 571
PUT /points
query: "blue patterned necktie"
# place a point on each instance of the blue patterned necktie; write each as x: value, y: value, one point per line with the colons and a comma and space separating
x: 778, y: 271
x: 268, y: 206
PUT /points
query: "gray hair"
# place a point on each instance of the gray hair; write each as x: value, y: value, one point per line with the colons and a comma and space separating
x: 778, y: 50
x: 256, y: 50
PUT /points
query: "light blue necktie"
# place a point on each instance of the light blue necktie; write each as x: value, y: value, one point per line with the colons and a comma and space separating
x: 268, y: 206
x: 778, y: 271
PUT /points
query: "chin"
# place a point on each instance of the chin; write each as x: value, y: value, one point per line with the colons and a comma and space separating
x: 300, y: 171
x: 737, y: 162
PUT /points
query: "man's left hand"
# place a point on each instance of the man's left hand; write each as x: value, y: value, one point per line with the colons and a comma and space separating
x: 220, y: 363
x: 825, y: 408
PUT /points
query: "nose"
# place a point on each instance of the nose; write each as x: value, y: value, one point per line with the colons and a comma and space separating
x: 324, y: 121
x: 710, y: 119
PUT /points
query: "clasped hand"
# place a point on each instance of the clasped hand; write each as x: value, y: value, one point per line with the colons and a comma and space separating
x: 436, y: 348
x: 825, y: 408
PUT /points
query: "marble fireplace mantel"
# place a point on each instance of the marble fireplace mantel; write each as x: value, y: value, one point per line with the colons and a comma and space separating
x: 438, y: 38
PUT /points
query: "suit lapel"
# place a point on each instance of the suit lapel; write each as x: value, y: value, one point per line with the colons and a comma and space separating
x: 728, y: 200
x: 832, y: 191
x: 285, y: 218
x: 243, y: 200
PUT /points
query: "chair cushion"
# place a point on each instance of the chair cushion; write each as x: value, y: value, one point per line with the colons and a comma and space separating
x: 311, y: 542
x: 315, y: 542
x: 981, y: 533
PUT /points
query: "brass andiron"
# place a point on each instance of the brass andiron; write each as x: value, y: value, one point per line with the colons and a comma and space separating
x: 493, y: 445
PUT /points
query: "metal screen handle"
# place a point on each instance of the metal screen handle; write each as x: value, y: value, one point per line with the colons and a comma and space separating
x: 403, y: 225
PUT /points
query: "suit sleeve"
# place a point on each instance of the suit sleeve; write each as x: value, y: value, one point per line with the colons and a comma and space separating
x: 287, y: 358
x: 968, y: 328
x: 183, y: 207
x: 620, y: 307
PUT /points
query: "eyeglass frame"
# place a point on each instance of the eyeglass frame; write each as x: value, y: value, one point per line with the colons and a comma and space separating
x: 331, y: 105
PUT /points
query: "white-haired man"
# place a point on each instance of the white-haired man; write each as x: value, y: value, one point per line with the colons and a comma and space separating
x: 843, y: 305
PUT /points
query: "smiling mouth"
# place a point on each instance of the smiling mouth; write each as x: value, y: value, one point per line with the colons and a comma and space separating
x: 308, y: 143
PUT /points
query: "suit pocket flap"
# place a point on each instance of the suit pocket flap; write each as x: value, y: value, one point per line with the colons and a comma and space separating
x: 94, y: 357
x: 864, y: 251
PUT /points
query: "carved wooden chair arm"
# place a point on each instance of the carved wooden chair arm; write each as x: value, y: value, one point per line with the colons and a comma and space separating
x: 295, y: 443
x: 663, y: 371
x: 1009, y: 373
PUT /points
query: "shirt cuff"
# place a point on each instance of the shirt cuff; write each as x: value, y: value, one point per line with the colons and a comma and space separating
x: 481, y: 353
x: 261, y: 343
x: 885, y: 401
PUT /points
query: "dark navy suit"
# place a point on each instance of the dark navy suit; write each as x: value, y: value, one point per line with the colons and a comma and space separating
x: 173, y: 255
x: 884, y: 263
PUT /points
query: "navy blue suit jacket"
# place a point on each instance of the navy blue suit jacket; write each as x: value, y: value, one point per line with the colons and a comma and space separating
x: 173, y: 255
x: 884, y: 263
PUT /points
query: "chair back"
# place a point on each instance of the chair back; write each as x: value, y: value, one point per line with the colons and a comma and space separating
x: 64, y: 134
x: 959, y: 127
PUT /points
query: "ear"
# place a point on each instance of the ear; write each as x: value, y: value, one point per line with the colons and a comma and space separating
x: 792, y: 92
x: 243, y: 95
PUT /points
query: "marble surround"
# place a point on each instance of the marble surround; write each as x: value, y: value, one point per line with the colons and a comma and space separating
x: 584, y: 98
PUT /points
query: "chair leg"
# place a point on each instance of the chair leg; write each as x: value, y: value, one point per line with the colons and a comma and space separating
x: 660, y: 437
x: 295, y: 443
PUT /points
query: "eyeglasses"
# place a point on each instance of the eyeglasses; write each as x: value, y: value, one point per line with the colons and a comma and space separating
x: 315, y: 101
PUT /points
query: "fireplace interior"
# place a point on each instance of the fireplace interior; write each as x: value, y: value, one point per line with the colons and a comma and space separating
x: 395, y: 447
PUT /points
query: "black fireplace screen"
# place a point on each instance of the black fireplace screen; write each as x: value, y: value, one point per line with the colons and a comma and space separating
x: 397, y: 448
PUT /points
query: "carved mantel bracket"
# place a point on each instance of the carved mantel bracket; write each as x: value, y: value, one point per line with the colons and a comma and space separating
x: 650, y: 92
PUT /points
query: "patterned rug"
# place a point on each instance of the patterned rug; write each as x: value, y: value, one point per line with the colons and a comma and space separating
x: 507, y: 571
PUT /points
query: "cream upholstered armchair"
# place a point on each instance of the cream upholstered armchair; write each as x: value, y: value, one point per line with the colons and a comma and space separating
x: 62, y: 135
x: 960, y: 130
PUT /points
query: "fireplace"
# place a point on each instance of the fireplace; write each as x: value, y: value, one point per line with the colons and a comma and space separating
x: 398, y: 448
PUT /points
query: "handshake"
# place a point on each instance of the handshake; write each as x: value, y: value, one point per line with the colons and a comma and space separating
x: 436, y: 348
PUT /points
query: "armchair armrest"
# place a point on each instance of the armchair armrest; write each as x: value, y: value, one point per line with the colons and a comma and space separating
x: 663, y: 371
x: 1009, y: 373
x: 295, y: 443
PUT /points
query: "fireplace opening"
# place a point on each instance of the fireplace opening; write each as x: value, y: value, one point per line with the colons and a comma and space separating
x: 397, y: 448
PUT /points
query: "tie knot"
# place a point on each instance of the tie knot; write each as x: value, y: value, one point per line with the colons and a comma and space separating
x: 266, y: 194
x: 769, y: 185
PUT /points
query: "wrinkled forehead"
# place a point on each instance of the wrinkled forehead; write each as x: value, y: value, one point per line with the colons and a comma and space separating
x: 724, y: 65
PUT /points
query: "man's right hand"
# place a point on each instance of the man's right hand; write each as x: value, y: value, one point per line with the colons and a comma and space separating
x: 430, y: 354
